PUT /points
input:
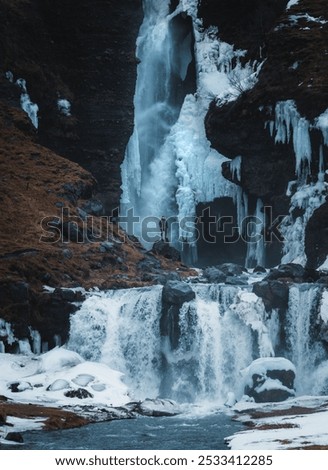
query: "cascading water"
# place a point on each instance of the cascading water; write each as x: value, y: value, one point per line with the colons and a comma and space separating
x: 165, y: 51
x: 305, y: 353
x: 169, y: 166
x: 221, y: 332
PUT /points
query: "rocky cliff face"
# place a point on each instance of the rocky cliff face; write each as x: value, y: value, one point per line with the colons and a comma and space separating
x: 84, y: 52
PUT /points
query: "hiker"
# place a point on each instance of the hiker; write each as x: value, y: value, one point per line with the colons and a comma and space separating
x: 163, y: 228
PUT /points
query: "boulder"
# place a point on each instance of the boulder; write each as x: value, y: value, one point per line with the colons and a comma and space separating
x: 259, y: 270
x: 83, y: 379
x: 236, y: 281
x: 14, y: 437
x: 274, y: 294
x: 293, y: 271
x: 323, y: 333
x: 269, y: 379
x: 231, y: 269
x: 157, y: 407
x: 80, y: 393
x: 164, y: 249
x: 214, y: 275
x: 59, y: 384
x: 17, y: 387
x: 177, y: 292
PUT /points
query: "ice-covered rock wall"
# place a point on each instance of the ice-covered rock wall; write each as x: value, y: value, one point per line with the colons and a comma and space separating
x: 308, y: 191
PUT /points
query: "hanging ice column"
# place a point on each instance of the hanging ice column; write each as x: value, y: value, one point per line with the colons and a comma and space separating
x: 169, y: 166
x: 289, y: 126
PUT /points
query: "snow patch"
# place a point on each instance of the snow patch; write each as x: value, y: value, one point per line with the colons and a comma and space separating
x: 31, y: 109
x: 291, y: 3
x: 64, y: 107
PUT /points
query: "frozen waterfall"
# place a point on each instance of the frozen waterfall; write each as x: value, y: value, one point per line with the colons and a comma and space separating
x: 169, y: 167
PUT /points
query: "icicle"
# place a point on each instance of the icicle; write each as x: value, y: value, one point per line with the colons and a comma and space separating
x: 289, y: 125
x: 255, y: 239
x: 235, y: 168
x: 36, y: 341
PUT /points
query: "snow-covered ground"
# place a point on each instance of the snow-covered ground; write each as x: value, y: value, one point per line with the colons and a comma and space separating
x: 296, y: 423
x: 45, y: 379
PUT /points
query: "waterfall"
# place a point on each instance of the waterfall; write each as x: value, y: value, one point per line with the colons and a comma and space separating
x: 221, y: 332
x: 305, y: 353
x: 121, y: 329
x: 164, y: 48
x: 169, y: 167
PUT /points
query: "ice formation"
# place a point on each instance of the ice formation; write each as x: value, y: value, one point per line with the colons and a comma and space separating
x: 31, y: 109
x: 289, y: 126
x: 64, y: 107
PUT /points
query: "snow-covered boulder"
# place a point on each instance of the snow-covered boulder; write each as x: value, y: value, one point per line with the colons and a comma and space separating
x: 58, y: 359
x: 269, y: 379
x: 83, y: 379
x: 59, y: 384
x: 158, y: 407
x: 17, y: 387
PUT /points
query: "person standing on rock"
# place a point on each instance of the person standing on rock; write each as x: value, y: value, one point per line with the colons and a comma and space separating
x: 163, y: 226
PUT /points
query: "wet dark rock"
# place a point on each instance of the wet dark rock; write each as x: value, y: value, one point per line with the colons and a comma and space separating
x: 323, y: 333
x: 176, y: 293
x: 323, y: 280
x: 80, y: 393
x: 259, y: 270
x: 274, y: 294
x: 14, y: 437
x: 236, y: 281
x: 316, y: 237
x: 164, y: 249
x: 214, y: 275
x: 231, y: 269
x: 274, y: 395
x: 290, y: 271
